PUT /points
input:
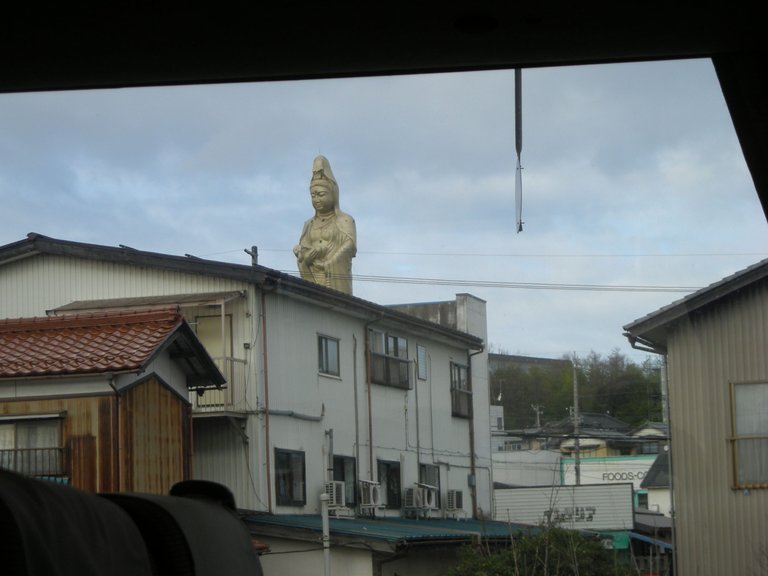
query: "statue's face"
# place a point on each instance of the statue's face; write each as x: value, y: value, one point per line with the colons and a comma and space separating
x: 322, y: 198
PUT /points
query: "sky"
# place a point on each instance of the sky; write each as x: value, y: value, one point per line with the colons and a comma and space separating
x: 632, y: 176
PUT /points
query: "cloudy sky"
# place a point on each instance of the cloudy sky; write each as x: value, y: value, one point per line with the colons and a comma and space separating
x: 632, y: 177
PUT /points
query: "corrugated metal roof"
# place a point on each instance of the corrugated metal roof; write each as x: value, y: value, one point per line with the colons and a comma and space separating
x: 653, y: 327
x: 98, y: 343
x: 393, y: 531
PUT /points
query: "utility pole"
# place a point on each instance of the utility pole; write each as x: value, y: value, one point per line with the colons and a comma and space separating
x: 537, y: 409
x: 576, y: 418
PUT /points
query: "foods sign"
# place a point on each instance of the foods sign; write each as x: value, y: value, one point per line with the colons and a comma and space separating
x: 616, y: 470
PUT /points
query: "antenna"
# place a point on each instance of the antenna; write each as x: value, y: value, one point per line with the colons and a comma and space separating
x: 519, y: 148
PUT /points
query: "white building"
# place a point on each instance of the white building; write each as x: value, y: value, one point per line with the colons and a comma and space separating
x: 322, y: 386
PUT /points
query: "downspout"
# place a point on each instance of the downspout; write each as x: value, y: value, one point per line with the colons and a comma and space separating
x: 117, y: 439
x: 472, y: 463
x: 267, y: 455
x: 357, y: 412
x: 370, y: 403
x: 418, y: 437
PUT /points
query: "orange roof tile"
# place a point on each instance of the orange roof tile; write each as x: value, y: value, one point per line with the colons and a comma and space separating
x: 83, y: 343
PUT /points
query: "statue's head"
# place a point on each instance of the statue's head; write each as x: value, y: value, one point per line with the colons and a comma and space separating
x: 323, y: 187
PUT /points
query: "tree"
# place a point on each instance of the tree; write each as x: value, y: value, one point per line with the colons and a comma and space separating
x: 613, y: 384
x: 553, y: 551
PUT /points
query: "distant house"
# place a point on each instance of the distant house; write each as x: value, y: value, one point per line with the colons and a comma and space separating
x: 656, y: 486
x: 101, y: 401
x: 715, y: 343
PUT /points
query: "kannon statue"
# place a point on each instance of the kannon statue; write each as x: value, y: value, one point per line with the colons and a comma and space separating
x: 329, y: 239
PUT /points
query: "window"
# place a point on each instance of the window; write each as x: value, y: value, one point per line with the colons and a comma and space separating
x: 421, y: 362
x: 648, y: 447
x: 430, y: 474
x: 461, y: 395
x: 290, y: 487
x: 749, y: 405
x: 389, y: 359
x: 641, y: 499
x: 389, y: 478
x: 328, y: 355
x: 32, y: 446
x: 344, y: 470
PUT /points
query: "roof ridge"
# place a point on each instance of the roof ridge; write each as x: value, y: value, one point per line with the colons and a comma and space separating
x: 105, y: 318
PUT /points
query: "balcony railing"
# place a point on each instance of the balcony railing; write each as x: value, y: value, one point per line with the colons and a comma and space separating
x: 36, y: 462
x: 231, y: 397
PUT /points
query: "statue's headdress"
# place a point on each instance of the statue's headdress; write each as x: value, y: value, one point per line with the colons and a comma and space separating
x: 321, y: 173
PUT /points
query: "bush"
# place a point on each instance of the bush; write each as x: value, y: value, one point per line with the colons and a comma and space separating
x: 551, y: 552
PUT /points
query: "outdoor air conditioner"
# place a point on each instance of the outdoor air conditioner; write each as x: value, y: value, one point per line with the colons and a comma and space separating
x: 336, y: 493
x: 454, y: 500
x: 412, y: 498
x: 428, y: 496
x: 370, y: 494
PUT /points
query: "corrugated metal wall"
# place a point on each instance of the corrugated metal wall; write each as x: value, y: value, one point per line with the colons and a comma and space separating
x: 34, y: 285
x: 719, y: 530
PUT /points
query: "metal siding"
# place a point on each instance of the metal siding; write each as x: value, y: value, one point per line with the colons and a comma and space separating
x: 718, y: 530
x: 597, y: 507
x: 34, y: 285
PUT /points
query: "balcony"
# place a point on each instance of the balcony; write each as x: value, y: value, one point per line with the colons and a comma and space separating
x: 44, y: 463
x: 230, y: 398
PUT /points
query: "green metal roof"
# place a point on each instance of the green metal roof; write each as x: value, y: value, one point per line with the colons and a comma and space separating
x: 391, y: 531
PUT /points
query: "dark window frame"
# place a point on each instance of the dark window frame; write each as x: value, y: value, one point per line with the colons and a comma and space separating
x: 388, y: 360
x: 286, y: 495
x: 49, y: 460
x: 389, y: 474
x: 429, y: 474
x: 325, y: 355
x: 461, y: 391
x: 342, y: 467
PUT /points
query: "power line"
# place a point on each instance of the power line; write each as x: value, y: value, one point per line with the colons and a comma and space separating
x: 539, y: 255
x: 516, y: 285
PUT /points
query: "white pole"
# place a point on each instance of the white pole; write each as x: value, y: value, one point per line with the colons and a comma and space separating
x: 326, y: 534
x: 576, y: 417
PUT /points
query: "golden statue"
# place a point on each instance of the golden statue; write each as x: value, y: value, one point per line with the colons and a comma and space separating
x: 329, y: 239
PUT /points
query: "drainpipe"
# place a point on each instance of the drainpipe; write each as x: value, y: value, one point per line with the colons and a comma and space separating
x: 266, y: 400
x: 117, y: 440
x: 472, y: 463
x: 370, y: 404
x: 357, y: 412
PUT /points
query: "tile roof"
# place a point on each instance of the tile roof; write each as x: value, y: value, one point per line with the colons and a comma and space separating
x: 84, y: 343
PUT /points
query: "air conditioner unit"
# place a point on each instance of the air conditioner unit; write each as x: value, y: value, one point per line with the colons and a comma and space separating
x: 454, y: 500
x: 428, y: 496
x: 336, y: 493
x: 412, y: 498
x: 370, y: 494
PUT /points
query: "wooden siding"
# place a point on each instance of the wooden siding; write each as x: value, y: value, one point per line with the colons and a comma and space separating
x: 155, y: 451
x: 87, y: 436
x: 719, y: 530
